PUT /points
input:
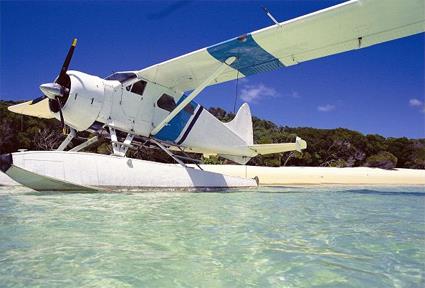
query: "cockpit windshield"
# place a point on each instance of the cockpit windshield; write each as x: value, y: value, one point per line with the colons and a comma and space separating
x: 121, y: 76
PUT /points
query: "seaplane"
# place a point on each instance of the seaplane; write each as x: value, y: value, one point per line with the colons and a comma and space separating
x: 156, y: 105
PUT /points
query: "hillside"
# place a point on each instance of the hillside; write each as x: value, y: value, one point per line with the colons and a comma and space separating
x: 326, y: 147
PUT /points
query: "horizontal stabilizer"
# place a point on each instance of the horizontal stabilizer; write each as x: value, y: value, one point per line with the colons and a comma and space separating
x: 237, y: 159
x: 38, y: 109
x: 263, y: 149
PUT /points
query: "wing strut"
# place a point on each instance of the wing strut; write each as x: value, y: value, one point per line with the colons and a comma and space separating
x: 192, y: 95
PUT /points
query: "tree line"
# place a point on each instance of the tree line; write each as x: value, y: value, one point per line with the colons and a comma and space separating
x: 325, y: 147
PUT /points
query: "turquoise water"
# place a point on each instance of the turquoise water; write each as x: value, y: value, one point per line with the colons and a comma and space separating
x: 276, y: 237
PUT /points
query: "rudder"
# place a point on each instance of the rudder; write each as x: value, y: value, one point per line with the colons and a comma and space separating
x: 241, y: 125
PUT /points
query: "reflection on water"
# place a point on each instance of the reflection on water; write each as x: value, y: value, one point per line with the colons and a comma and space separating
x: 363, y: 237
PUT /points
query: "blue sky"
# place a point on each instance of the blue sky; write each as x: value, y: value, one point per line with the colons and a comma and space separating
x: 377, y: 90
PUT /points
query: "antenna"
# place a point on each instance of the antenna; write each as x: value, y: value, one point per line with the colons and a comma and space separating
x: 270, y: 15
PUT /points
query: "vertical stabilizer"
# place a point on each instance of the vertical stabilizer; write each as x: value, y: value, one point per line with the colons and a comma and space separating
x: 241, y: 125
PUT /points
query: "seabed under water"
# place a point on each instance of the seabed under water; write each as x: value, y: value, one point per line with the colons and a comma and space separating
x: 270, y: 237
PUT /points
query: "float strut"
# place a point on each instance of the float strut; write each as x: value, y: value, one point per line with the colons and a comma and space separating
x: 169, y: 153
x: 67, y: 140
x: 84, y: 144
x: 120, y: 148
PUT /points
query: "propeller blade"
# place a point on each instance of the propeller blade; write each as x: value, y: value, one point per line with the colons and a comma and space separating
x: 38, y: 99
x: 60, y: 113
x: 65, y: 66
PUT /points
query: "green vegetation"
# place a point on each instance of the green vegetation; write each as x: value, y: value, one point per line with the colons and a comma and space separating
x: 326, y: 147
x: 383, y: 159
x: 334, y: 147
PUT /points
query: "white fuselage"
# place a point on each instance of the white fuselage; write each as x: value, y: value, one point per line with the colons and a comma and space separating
x: 138, y: 105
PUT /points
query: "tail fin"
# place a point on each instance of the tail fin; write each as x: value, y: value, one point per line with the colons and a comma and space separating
x: 241, y: 125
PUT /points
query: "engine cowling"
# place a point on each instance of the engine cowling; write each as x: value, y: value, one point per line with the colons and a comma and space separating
x: 84, y: 101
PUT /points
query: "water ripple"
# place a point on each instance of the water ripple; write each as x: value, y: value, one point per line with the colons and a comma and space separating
x: 274, y: 237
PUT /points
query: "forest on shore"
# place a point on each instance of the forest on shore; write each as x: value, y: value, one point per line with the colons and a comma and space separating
x: 326, y: 147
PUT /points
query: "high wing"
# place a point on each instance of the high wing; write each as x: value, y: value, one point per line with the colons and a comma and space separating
x: 348, y: 26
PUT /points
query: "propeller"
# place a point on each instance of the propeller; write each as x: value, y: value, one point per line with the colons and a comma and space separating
x: 58, y: 91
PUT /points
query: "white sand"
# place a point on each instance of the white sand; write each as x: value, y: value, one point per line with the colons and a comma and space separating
x: 323, y: 175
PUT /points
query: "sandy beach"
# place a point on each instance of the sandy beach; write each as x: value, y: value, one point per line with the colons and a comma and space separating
x: 323, y: 175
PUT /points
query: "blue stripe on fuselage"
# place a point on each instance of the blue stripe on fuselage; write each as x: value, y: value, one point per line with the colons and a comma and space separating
x: 251, y: 58
x: 172, y: 131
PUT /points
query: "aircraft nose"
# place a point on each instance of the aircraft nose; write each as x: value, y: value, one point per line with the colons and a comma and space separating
x: 6, y: 161
x: 52, y: 90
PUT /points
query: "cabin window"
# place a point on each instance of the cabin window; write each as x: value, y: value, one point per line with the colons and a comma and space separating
x: 139, y: 87
x: 166, y: 102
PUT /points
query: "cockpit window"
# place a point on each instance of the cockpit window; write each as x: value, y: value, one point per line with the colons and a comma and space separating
x: 166, y: 102
x: 121, y: 76
x: 139, y: 87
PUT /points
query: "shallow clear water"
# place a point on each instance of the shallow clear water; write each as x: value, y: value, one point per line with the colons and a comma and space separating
x: 273, y: 237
